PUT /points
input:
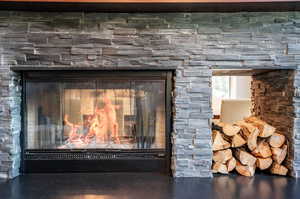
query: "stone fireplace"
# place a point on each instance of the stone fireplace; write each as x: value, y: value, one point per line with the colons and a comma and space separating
x: 189, y: 44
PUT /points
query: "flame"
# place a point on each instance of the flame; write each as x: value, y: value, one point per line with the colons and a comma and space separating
x: 100, y: 125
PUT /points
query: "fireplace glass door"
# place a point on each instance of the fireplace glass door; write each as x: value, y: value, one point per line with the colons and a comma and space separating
x: 96, y: 114
x: 93, y: 121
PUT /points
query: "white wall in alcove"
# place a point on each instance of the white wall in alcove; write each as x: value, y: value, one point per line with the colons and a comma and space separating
x: 240, y: 87
x: 232, y: 87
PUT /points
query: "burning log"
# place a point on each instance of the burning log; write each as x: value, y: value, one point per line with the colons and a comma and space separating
x: 73, y: 135
x: 111, y: 115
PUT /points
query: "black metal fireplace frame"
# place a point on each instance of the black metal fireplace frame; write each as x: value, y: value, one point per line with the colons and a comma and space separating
x: 97, y: 160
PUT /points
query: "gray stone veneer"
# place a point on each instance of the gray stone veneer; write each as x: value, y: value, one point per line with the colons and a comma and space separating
x: 272, y: 99
x: 193, y: 43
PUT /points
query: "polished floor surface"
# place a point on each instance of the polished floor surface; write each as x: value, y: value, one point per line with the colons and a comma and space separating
x: 147, y: 186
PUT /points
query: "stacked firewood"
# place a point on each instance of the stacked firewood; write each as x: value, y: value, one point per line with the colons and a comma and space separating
x: 248, y: 145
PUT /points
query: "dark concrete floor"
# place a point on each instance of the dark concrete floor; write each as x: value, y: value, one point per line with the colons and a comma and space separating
x: 147, y: 186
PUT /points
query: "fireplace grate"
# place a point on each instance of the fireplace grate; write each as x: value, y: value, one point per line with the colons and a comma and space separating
x: 91, y: 156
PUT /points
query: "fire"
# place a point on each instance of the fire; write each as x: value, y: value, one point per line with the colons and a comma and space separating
x: 98, y: 125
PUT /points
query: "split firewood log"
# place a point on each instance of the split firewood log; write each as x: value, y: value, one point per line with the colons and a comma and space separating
x: 231, y: 130
x: 231, y: 164
x: 265, y: 130
x: 218, y: 167
x: 277, y: 140
x: 262, y: 150
x: 264, y: 163
x: 279, y: 154
x: 222, y: 156
x: 247, y: 128
x: 237, y: 141
x: 252, y: 140
x: 244, y: 157
x: 219, y: 123
x: 217, y: 126
x: 218, y: 142
x: 278, y: 169
x: 245, y: 170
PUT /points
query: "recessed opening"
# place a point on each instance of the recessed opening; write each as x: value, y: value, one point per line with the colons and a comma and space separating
x: 253, y: 117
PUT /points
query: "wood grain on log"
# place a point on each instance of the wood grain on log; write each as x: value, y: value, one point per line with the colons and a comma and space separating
x: 231, y: 130
x: 219, y: 168
x: 245, y: 170
x: 263, y: 150
x: 244, y: 157
x: 252, y: 140
x: 278, y: 169
x: 222, y: 156
x: 277, y: 140
x: 231, y: 164
x: 237, y: 141
x: 218, y: 141
x: 265, y: 130
x: 279, y: 154
x: 264, y: 163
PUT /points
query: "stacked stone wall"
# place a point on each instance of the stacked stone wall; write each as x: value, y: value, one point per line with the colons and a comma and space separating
x: 191, y: 43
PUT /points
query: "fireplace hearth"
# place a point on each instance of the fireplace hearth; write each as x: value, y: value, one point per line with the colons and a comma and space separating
x: 96, y: 121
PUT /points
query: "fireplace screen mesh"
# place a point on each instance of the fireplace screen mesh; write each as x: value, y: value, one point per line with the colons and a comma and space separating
x: 96, y: 114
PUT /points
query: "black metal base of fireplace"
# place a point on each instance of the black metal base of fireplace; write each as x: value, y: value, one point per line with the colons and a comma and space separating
x: 94, y: 161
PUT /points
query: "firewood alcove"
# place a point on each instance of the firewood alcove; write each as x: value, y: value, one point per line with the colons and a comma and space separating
x: 253, y: 132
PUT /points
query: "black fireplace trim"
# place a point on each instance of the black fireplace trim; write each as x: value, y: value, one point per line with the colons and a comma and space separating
x: 93, y: 155
x: 98, y: 160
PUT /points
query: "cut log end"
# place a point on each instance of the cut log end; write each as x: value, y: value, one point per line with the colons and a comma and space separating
x: 219, y: 168
x: 252, y: 140
x: 237, y: 141
x: 277, y: 140
x: 231, y: 130
x: 245, y: 158
x: 245, y: 170
x: 222, y: 156
x: 264, y: 163
x: 231, y: 164
x: 265, y: 130
x: 219, y: 143
x: 278, y: 169
x: 263, y: 150
x: 279, y: 154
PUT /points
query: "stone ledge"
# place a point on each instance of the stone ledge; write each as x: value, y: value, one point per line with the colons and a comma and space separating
x: 68, y: 68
